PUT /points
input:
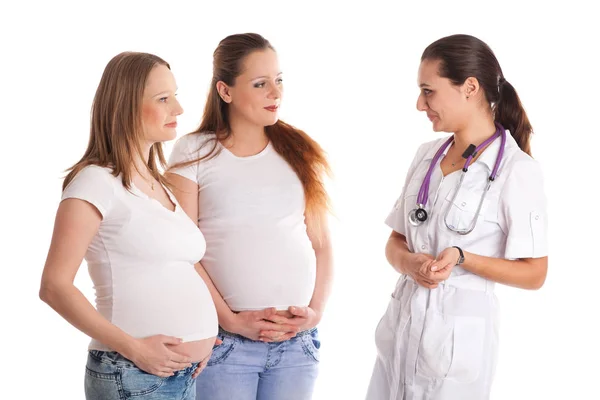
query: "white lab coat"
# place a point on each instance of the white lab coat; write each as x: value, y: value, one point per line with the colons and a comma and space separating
x: 442, y: 343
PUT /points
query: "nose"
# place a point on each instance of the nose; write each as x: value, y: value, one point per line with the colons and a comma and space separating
x: 177, y: 109
x: 421, y: 103
x: 275, y: 92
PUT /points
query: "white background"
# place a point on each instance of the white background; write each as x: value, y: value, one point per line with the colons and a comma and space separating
x: 350, y: 76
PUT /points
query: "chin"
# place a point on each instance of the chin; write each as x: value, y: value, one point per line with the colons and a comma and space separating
x: 271, y: 121
x: 170, y: 135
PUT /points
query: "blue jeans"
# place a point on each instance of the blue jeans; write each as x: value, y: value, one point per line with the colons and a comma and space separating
x: 244, y: 369
x: 110, y: 376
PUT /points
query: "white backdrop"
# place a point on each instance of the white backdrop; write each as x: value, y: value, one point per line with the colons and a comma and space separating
x: 350, y: 79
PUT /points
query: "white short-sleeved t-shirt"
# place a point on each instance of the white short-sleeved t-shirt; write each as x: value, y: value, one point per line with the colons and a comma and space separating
x: 512, y: 222
x: 141, y: 262
x: 251, y: 212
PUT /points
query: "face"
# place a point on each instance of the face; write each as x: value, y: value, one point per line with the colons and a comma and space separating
x: 445, y: 104
x: 160, y: 107
x: 256, y: 94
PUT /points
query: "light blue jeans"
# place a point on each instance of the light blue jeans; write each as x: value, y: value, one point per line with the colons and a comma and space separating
x: 110, y: 376
x: 243, y: 369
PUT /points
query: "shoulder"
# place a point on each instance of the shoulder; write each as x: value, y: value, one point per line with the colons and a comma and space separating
x: 522, y: 165
x: 95, y: 175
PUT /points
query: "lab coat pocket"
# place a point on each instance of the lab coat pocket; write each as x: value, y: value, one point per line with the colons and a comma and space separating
x: 390, y: 327
x: 468, y: 349
x: 435, y: 348
x: 461, y: 212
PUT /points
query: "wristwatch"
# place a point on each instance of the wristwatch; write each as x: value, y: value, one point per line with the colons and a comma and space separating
x: 461, y: 257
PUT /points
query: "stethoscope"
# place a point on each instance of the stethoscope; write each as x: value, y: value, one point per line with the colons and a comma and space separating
x: 418, y: 215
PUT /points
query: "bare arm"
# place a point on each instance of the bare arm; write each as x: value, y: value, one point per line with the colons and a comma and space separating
x: 321, y: 241
x: 77, y: 221
x: 396, y: 252
x: 525, y: 273
x: 405, y: 262
x: 76, y: 224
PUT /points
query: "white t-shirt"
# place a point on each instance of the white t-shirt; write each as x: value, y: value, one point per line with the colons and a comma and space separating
x: 141, y: 261
x: 251, y: 212
x: 512, y: 221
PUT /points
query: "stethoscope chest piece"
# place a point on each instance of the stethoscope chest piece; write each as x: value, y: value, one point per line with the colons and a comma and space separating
x: 417, y: 216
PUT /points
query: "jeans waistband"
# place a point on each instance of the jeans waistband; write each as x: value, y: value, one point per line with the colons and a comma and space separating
x: 299, y: 334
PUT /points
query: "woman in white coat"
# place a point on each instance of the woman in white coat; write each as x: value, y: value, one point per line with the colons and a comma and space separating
x: 472, y: 213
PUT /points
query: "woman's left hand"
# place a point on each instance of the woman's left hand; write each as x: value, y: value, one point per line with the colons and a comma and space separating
x: 439, y: 269
x: 303, y: 317
x: 202, y: 364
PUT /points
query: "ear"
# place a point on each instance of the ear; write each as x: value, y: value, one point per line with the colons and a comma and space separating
x: 224, y: 91
x: 471, y: 87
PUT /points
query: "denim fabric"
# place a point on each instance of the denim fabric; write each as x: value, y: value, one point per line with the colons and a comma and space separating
x: 244, y: 369
x: 110, y: 376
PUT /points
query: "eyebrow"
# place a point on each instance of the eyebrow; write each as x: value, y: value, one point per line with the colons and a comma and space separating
x: 424, y: 84
x: 164, y: 92
x: 259, y: 77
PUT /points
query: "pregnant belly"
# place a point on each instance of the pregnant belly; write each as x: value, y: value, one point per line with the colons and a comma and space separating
x: 197, y: 350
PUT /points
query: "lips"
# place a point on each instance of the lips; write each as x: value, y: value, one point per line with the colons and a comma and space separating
x: 272, y: 108
x: 172, y: 125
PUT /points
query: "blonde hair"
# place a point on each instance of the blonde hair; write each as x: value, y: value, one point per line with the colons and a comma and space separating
x: 116, y: 125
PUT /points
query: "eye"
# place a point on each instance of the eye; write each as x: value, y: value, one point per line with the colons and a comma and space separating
x: 163, y: 99
x: 259, y: 85
x: 279, y: 81
x: 426, y: 92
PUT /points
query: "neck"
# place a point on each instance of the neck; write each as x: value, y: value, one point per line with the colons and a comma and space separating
x: 245, y: 135
x: 141, y: 164
x: 475, y: 132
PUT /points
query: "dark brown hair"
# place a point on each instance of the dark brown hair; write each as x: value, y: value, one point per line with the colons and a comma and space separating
x: 464, y: 56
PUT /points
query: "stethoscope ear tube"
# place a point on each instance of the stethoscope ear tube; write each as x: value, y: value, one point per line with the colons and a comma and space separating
x: 418, y: 215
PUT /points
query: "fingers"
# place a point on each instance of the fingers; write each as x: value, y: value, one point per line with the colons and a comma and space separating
x: 218, y: 341
x: 198, y: 370
x: 177, y: 366
x: 179, y: 358
x: 267, y: 313
x: 268, y: 338
x: 164, y: 339
x: 280, y: 319
x: 270, y: 326
x: 301, y: 312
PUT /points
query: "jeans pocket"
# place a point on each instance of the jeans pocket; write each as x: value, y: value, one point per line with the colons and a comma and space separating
x: 221, y: 352
x: 136, y: 382
x: 311, y: 345
x: 101, y: 380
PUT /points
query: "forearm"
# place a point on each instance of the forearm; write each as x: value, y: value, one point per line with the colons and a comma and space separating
x: 73, y: 306
x: 226, y: 316
x: 324, y: 279
x: 397, y: 252
x: 524, y: 274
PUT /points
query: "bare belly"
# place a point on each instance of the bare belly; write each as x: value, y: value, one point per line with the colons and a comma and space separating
x: 198, y: 350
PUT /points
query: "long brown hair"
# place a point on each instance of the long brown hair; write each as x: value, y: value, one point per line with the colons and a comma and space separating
x: 301, y: 152
x: 116, y: 126
x: 464, y: 56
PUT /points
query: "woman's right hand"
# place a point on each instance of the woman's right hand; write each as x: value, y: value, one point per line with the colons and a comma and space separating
x: 152, y: 355
x: 416, y: 266
x: 250, y: 323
